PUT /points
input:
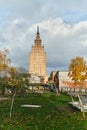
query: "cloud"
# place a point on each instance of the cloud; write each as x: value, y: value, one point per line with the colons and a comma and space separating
x: 63, y: 30
x: 16, y: 37
x: 61, y: 41
x: 38, y: 10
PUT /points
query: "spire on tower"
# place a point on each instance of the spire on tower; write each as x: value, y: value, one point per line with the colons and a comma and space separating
x: 38, y: 30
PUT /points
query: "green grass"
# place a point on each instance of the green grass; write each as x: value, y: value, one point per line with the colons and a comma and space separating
x: 55, y: 114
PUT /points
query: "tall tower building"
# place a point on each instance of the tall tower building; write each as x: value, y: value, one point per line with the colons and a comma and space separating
x: 37, y: 57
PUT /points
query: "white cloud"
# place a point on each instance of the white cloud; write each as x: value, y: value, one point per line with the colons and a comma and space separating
x: 38, y: 10
x: 61, y: 41
x: 63, y: 29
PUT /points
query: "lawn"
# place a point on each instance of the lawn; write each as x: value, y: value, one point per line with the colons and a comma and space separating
x: 55, y: 113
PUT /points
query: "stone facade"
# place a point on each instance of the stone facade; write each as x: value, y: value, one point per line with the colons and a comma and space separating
x: 37, y: 57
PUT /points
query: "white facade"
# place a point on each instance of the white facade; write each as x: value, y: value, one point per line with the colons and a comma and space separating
x: 64, y: 79
x: 34, y: 79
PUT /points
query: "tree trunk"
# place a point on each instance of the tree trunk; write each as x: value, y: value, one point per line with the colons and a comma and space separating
x: 57, y: 89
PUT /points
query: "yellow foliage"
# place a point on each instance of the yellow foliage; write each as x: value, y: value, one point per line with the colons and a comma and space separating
x: 78, y: 69
x: 13, y: 82
x: 4, y: 62
x: 13, y: 70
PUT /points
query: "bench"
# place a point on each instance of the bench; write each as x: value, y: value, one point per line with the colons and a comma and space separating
x: 81, y: 104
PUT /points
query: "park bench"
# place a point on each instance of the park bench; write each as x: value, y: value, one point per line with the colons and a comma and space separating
x: 81, y: 104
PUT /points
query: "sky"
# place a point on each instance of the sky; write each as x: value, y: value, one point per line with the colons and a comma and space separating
x: 62, y: 25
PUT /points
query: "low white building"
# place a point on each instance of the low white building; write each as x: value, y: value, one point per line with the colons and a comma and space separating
x: 64, y: 79
x: 34, y: 79
x: 67, y: 84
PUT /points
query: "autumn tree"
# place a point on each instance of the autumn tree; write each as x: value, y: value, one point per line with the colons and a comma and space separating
x: 4, y: 61
x: 7, y: 71
x: 22, y: 70
x: 13, y: 71
x: 4, y: 68
x: 78, y: 70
